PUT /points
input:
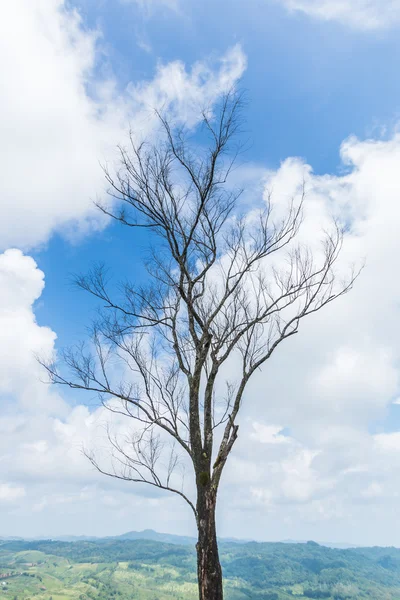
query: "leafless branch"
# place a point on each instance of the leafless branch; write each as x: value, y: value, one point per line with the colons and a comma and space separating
x: 221, y: 285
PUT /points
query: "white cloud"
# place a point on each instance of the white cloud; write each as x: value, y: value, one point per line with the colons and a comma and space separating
x: 337, y: 379
x: 360, y: 14
x: 20, y: 336
x: 58, y: 120
x: 42, y: 467
x: 42, y: 436
x: 183, y: 93
x: 373, y: 490
x: 268, y: 434
x: 9, y: 493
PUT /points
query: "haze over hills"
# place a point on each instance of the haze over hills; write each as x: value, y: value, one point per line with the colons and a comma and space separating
x: 146, y: 534
x: 168, y: 538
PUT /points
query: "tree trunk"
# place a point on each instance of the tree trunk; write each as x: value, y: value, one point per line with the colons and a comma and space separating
x: 209, y: 570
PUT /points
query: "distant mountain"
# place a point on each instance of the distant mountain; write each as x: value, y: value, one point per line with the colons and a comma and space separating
x: 155, y: 536
x: 168, y: 538
x: 146, y: 534
x: 340, y: 546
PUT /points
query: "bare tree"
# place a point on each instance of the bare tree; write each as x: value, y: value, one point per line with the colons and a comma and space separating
x: 222, y: 287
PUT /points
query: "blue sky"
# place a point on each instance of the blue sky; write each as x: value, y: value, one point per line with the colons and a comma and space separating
x: 319, y: 451
x: 309, y: 87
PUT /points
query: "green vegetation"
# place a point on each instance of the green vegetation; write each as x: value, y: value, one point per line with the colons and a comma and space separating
x: 148, y: 570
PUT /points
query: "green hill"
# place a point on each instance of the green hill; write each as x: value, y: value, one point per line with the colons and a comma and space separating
x: 151, y: 570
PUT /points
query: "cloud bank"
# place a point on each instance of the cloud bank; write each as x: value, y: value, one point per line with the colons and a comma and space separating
x: 42, y: 467
x: 59, y: 118
x: 316, y: 425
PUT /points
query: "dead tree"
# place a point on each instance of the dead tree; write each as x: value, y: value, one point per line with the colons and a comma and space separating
x: 223, y: 287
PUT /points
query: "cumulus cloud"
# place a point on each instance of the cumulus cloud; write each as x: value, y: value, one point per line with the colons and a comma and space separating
x: 333, y: 385
x: 58, y: 119
x: 360, y: 14
x: 39, y: 431
x: 42, y: 465
x: 10, y: 493
x: 20, y: 335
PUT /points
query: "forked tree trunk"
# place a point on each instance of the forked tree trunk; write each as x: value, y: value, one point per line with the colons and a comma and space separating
x: 208, y: 566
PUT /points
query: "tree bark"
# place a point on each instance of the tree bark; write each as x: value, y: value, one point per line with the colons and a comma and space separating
x: 209, y: 570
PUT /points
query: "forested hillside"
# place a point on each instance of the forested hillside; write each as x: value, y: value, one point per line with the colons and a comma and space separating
x: 148, y: 570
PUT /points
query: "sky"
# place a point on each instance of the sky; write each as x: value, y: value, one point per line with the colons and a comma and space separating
x: 318, y: 456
